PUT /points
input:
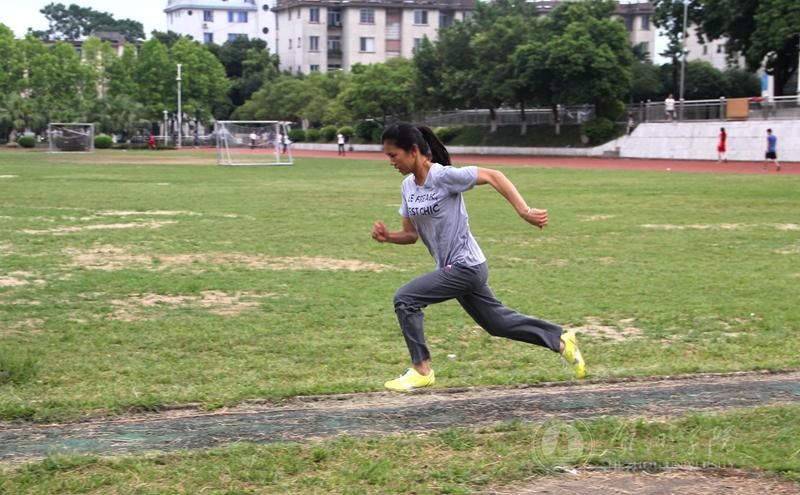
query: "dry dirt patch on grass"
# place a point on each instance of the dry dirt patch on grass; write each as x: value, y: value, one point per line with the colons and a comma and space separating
x: 133, y: 308
x: 19, y: 278
x: 110, y: 258
x: 594, y: 327
x: 686, y: 481
x: 595, y: 218
x: 153, y: 224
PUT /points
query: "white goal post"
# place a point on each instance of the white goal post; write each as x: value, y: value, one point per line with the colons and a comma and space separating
x: 73, y: 137
x: 261, y: 142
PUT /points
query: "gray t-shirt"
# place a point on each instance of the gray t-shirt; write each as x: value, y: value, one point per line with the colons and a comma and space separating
x: 438, y: 213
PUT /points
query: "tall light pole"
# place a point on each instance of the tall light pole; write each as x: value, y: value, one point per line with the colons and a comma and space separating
x: 166, y: 130
x: 684, y: 52
x: 180, y: 113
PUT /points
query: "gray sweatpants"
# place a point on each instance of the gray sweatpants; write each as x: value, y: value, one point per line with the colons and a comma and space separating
x: 467, y: 284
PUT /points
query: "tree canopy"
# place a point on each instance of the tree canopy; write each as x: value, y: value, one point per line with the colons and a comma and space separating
x: 76, y: 22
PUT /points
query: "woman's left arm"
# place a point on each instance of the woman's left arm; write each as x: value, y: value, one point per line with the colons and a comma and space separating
x: 506, y: 188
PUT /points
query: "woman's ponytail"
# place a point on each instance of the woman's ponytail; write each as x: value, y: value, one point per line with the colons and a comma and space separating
x: 439, y: 153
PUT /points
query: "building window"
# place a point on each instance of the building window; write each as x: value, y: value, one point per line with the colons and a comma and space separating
x: 208, y: 16
x: 313, y: 15
x: 705, y: 49
x: 290, y: 43
x: 417, y: 43
x: 290, y: 14
x: 242, y: 17
x: 645, y: 23
x: 298, y: 41
x: 236, y: 36
x: 334, y: 17
x: 720, y: 49
x: 334, y: 67
x: 367, y: 16
x: 314, y: 67
x: 334, y: 43
x: 313, y: 43
x: 208, y: 38
x: 421, y: 17
x: 629, y: 24
x: 367, y: 44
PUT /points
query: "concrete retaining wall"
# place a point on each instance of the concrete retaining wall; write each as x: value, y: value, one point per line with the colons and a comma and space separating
x: 665, y: 140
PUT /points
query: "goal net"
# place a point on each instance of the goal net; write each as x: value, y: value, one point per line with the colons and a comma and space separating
x: 263, y: 142
x: 63, y: 137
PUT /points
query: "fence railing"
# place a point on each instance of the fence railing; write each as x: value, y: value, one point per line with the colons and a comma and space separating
x: 778, y: 107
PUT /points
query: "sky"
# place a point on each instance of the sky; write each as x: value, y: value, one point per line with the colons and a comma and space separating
x: 20, y: 15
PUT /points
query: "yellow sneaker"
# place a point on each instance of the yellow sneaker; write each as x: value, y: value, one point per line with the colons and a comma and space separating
x: 410, y: 380
x: 572, y: 355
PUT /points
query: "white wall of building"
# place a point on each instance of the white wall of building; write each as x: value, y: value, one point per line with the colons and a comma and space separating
x: 203, y: 18
x: 711, y: 51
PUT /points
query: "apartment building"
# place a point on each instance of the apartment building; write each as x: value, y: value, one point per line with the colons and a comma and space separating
x: 323, y: 35
x: 218, y: 21
x: 711, y: 51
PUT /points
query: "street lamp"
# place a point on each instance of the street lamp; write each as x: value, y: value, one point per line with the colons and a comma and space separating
x: 180, y: 123
x: 684, y: 52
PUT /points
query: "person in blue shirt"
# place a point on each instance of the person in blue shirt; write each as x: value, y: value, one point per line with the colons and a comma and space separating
x: 772, y: 151
x: 433, y: 210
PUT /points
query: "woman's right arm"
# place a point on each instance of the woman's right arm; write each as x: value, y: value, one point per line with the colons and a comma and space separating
x: 406, y: 236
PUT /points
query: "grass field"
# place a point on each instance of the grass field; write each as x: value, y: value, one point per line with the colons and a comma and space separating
x: 132, y: 285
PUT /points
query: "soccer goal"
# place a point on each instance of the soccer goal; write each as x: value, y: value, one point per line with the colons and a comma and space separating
x: 263, y: 142
x: 70, y: 137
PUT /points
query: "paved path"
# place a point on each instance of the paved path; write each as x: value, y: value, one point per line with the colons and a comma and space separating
x: 306, y: 418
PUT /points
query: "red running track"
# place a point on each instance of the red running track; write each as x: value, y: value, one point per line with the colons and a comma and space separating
x: 706, y: 166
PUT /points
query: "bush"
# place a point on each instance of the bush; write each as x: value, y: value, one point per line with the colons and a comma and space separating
x: 611, y: 109
x: 297, y: 135
x: 27, y: 141
x: 313, y: 135
x: 103, y: 141
x: 366, y: 130
x: 328, y: 133
x: 377, y: 134
x: 598, y: 130
x: 347, y: 132
x: 447, y: 134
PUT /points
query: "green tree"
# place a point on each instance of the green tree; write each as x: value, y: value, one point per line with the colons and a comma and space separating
x: 203, y: 84
x: 60, y: 86
x: 646, y: 82
x: 98, y: 56
x: 589, y: 56
x: 122, y: 74
x: 11, y: 67
x: 155, y: 78
x: 740, y: 83
x: 668, y: 16
x: 120, y: 114
x: 76, y: 22
x: 380, y: 90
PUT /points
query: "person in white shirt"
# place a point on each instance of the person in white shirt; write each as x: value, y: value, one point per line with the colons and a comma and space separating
x: 340, y: 141
x: 669, y: 107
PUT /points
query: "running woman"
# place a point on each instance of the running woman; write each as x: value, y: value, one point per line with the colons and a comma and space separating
x: 433, y: 210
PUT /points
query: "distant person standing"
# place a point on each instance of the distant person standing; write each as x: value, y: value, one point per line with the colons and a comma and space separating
x: 284, y: 140
x: 772, y: 151
x: 631, y: 123
x: 722, y: 145
x: 340, y: 142
x: 669, y: 107
x: 253, y: 139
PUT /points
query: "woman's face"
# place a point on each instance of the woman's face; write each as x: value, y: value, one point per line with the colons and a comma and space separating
x: 404, y: 161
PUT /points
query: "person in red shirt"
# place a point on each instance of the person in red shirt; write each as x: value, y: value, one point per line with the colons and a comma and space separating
x: 151, y: 142
x: 722, y: 145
